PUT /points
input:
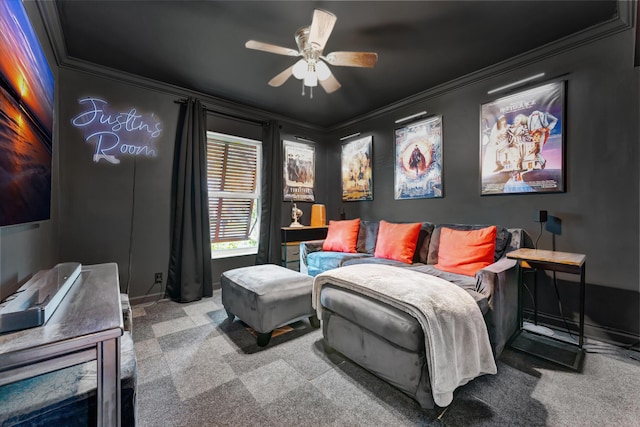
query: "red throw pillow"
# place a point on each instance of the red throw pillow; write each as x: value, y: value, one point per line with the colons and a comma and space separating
x: 397, y: 241
x: 466, y: 252
x: 342, y: 236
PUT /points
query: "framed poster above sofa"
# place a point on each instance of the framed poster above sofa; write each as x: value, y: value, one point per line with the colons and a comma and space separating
x: 418, y: 161
x: 522, y: 142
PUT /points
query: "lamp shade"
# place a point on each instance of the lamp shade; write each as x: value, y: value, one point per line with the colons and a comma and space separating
x: 318, y: 215
x: 322, y: 70
x: 300, y: 69
x: 311, y: 79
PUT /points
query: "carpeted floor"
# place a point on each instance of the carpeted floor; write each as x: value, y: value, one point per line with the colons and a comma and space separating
x: 195, y: 368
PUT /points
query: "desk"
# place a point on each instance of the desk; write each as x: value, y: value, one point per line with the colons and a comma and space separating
x: 86, y: 326
x: 291, y: 238
x: 565, y: 262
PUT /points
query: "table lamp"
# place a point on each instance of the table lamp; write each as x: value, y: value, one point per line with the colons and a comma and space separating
x: 318, y: 215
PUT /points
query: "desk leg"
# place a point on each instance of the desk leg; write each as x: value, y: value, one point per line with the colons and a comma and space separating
x: 520, y: 302
x: 582, y: 292
x: 108, y: 391
x: 535, y: 296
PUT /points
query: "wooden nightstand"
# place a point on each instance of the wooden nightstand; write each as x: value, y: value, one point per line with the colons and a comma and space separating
x: 550, y: 348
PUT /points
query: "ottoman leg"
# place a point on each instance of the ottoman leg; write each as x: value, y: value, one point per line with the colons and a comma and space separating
x: 315, y: 322
x: 230, y: 315
x: 264, y: 338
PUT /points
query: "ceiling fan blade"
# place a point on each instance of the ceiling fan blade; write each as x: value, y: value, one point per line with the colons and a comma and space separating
x: 353, y: 59
x: 320, y: 29
x: 330, y: 84
x: 272, y: 48
x: 281, y: 78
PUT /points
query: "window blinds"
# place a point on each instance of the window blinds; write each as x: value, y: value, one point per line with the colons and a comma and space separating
x: 232, y: 180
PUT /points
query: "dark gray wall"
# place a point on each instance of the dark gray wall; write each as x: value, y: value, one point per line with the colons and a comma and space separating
x: 28, y: 248
x: 121, y: 213
x: 599, y: 212
x: 116, y: 213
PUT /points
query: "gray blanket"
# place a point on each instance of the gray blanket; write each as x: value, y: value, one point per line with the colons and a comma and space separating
x: 456, y: 340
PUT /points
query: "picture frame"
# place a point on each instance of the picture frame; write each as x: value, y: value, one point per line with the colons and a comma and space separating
x: 418, y: 160
x: 522, y: 142
x: 299, y: 169
x: 356, y: 169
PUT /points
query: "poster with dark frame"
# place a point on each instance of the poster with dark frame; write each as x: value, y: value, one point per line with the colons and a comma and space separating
x: 357, y: 174
x: 418, y: 161
x: 299, y: 169
x: 522, y: 142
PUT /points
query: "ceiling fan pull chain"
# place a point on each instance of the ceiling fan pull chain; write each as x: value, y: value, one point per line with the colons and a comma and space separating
x: 311, y: 92
x: 303, y: 88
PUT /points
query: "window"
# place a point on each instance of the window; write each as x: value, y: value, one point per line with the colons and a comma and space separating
x: 233, y: 180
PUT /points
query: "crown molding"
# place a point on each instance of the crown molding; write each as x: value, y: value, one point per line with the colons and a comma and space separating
x: 622, y: 21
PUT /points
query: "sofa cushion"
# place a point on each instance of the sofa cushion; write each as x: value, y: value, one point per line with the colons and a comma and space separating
x: 467, y: 283
x: 374, y: 260
x: 503, y: 238
x: 422, y: 247
x: 342, y: 236
x: 367, y: 237
x: 466, y: 251
x: 317, y: 262
x: 397, y: 241
x: 384, y: 320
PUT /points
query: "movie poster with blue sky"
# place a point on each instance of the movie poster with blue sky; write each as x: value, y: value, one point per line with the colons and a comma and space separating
x: 26, y: 120
x: 521, y: 142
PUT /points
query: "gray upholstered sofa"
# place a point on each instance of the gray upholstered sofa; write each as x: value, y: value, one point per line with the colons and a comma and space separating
x: 389, y: 342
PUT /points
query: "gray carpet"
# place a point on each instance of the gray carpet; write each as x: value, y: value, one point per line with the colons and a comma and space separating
x: 195, y: 368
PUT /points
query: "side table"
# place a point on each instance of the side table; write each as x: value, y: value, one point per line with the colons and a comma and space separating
x: 552, y: 349
x: 291, y: 238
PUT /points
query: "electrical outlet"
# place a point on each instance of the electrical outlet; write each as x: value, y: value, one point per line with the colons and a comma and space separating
x: 158, y: 278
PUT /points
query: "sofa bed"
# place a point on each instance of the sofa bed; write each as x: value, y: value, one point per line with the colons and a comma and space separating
x: 388, y: 337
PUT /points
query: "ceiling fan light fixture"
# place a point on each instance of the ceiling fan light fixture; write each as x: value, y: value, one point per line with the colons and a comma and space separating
x: 300, y: 69
x: 313, y: 68
x: 322, y: 70
x: 311, y: 79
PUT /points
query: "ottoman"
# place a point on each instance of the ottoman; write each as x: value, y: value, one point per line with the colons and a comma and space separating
x: 266, y: 297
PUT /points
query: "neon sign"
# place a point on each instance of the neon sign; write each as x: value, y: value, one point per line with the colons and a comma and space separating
x: 117, y: 133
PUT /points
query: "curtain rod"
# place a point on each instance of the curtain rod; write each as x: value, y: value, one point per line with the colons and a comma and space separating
x: 227, y: 115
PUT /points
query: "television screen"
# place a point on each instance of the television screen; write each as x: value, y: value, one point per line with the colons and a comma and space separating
x: 26, y: 120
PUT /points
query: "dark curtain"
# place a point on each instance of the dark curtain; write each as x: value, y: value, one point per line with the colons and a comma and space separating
x: 189, y: 277
x: 269, y: 251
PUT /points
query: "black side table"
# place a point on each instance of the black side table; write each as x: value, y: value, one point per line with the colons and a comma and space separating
x: 552, y: 349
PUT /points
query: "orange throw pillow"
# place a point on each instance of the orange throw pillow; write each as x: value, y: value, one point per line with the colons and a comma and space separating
x: 397, y: 241
x: 342, y: 236
x: 466, y: 252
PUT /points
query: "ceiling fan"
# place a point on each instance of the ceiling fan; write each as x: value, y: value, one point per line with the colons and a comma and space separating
x: 312, y: 67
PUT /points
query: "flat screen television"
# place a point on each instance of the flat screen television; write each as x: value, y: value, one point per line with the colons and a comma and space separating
x: 26, y: 120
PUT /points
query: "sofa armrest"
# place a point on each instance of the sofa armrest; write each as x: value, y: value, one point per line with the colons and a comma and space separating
x: 305, y: 249
x: 491, y: 278
x: 499, y: 283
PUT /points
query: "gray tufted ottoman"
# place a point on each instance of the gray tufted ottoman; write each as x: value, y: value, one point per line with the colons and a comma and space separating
x: 266, y: 297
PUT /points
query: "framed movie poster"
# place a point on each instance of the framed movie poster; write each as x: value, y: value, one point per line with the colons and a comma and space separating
x: 522, y: 142
x: 418, y: 166
x: 357, y: 179
x: 299, y: 171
